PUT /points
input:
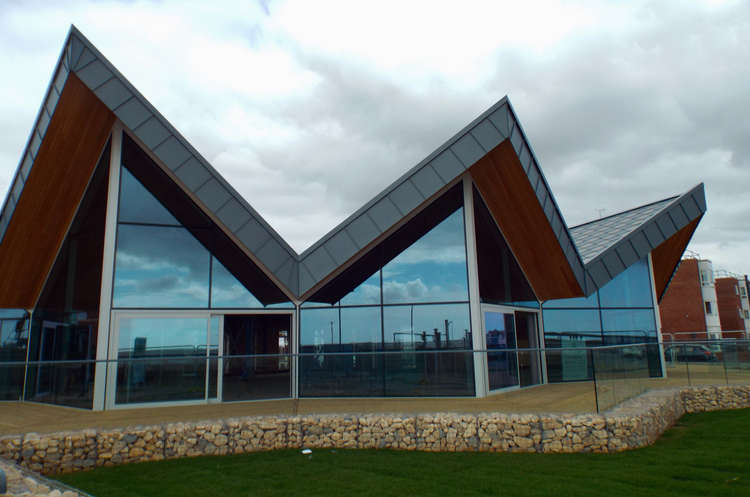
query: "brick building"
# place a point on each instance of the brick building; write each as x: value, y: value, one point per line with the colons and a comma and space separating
x: 732, y: 298
x: 688, y: 309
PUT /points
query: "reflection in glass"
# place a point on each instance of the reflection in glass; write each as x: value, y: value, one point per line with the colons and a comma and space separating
x: 158, y: 266
x: 161, y: 359
x: 585, y: 302
x: 500, y: 333
x: 631, y: 288
x: 635, y: 323
x: 14, y: 334
x: 360, y: 328
x: 138, y: 205
x: 432, y: 269
x: 367, y: 293
x: 227, y: 291
x: 582, y: 323
x: 501, y: 280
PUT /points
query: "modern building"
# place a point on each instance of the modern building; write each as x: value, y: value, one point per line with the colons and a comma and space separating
x: 732, y: 299
x: 127, y: 256
x: 689, y: 309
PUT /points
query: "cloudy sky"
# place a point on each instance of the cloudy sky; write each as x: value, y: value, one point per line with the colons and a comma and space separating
x: 311, y: 108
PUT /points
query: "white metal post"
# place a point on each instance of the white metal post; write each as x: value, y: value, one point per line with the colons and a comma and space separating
x: 108, y: 265
x: 475, y: 305
x: 657, y: 317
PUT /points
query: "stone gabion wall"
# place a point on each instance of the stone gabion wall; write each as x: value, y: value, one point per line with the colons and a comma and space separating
x: 634, y: 423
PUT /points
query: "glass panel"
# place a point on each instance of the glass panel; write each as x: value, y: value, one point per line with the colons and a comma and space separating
x: 138, y: 205
x: 213, y: 352
x: 415, y: 329
x: 14, y: 334
x: 161, y: 359
x: 433, y: 269
x: 631, y: 288
x: 529, y: 361
x: 160, y: 267
x: 12, y: 313
x: 257, y: 362
x: 500, y: 334
x: 630, y: 324
x: 581, y: 323
x: 227, y: 291
x: 590, y: 302
x: 360, y: 329
x: 368, y: 292
x: 501, y: 280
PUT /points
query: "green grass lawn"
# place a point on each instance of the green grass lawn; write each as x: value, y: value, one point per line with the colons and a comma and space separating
x: 703, y: 455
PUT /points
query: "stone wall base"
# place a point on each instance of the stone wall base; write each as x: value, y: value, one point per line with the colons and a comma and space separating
x: 634, y: 423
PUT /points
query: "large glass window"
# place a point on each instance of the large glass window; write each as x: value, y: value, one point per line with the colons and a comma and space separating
x: 631, y: 288
x: 418, y: 284
x: 160, y: 263
x: 433, y: 269
x: 160, y: 266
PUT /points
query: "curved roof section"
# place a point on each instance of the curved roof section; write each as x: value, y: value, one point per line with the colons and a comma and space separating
x: 302, y: 273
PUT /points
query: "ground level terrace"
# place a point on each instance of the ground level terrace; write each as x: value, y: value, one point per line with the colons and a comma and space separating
x: 572, y: 397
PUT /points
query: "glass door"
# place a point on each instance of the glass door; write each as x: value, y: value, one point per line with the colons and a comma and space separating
x: 256, y: 362
x: 502, y: 358
x: 529, y: 360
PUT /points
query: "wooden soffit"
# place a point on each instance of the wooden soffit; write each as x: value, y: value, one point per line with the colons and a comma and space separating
x: 666, y: 256
x: 500, y: 178
x: 75, y: 137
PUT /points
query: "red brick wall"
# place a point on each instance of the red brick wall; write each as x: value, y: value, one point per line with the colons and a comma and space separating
x: 681, y: 308
x: 729, y: 304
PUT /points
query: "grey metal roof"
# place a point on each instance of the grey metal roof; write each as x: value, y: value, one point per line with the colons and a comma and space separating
x: 610, y: 245
x: 301, y: 272
x: 595, y: 237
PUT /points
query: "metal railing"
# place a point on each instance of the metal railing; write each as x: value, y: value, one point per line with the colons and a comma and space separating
x: 617, y: 372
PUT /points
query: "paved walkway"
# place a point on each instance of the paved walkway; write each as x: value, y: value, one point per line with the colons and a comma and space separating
x: 17, y: 417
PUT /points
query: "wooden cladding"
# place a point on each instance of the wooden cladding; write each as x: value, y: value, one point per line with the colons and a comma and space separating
x: 666, y: 256
x: 75, y: 137
x: 500, y: 178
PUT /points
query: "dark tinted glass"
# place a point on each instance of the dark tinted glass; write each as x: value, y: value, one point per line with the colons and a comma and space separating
x: 14, y: 334
x: 433, y: 269
x: 631, y: 288
x: 227, y: 291
x: 138, y: 205
x: 160, y: 267
x: 501, y: 280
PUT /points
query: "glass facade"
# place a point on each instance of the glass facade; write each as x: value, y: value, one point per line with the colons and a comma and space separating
x: 161, y: 263
x: 620, y: 313
x: 14, y: 337
x: 387, y: 336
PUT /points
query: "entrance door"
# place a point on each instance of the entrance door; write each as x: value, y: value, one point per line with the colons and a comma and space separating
x: 529, y: 361
x: 509, y: 336
x: 256, y: 362
x: 502, y: 359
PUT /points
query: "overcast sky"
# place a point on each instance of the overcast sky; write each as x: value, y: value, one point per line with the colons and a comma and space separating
x: 311, y: 108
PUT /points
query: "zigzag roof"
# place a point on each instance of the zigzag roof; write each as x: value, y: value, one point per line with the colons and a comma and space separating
x: 600, y: 242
